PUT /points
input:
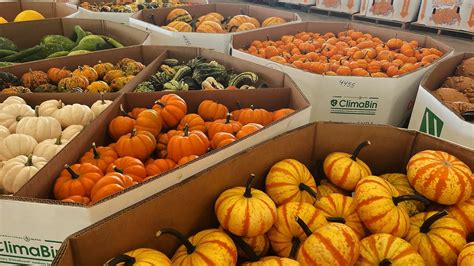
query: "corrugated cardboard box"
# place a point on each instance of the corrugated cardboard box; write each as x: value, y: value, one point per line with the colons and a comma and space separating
x: 456, y: 15
x: 136, y: 227
x: 344, y: 6
x: 9, y: 9
x: 35, y: 222
x: 400, y: 10
x: 152, y: 20
x: 347, y: 98
x: 432, y: 116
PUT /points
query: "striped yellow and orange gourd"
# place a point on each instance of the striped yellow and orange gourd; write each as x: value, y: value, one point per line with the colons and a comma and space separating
x: 272, y: 21
x: 273, y: 261
x: 466, y: 257
x: 400, y: 182
x: 464, y: 214
x: 259, y: 245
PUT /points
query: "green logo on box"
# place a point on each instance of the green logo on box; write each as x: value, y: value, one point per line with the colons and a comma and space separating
x: 333, y: 102
x: 431, y: 124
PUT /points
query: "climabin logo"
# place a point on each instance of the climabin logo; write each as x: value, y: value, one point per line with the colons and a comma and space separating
x: 333, y: 102
x: 354, y: 105
x: 28, y: 251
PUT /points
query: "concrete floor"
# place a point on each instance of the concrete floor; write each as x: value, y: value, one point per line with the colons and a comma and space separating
x: 460, y: 45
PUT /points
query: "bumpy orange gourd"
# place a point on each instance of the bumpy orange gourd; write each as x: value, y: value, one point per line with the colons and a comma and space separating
x: 86, y: 71
x: 136, y: 144
x: 99, y: 156
x: 76, y: 180
x: 129, y: 166
x: 187, y: 143
x: 56, y: 74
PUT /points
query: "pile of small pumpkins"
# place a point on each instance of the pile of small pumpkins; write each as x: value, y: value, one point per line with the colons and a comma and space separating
x: 421, y: 218
x: 149, y: 142
x: 180, y: 20
x: 347, y: 53
x: 29, y: 137
x: 102, y: 77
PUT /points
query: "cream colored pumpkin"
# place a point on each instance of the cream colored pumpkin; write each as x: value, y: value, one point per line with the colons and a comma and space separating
x: 47, y: 108
x: 39, y: 127
x: 15, y: 145
x: 12, y: 100
x: 71, y: 131
x: 50, y: 147
x: 99, y: 106
x: 75, y: 114
x: 17, y: 171
x: 4, y: 132
x: 13, y: 113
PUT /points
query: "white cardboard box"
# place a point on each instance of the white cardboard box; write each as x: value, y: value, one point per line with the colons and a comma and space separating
x: 151, y: 20
x: 433, y: 117
x: 348, y: 99
x: 344, y: 6
x: 398, y: 10
x: 457, y: 15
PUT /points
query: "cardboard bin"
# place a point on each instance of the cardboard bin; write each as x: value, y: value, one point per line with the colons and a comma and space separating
x: 348, y: 98
x: 9, y: 9
x: 401, y: 11
x: 343, y: 6
x: 136, y: 227
x: 144, y: 54
x: 432, y: 116
x: 36, y: 222
x: 152, y: 20
x: 454, y: 15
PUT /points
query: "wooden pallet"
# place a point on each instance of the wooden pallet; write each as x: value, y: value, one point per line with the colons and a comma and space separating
x: 314, y: 9
x: 381, y: 21
x: 442, y: 31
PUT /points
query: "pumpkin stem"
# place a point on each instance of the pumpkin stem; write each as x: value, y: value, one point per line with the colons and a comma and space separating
x: 425, y: 227
x: 385, y: 262
x: 252, y: 107
x: 73, y: 174
x: 127, y: 260
x: 303, y: 226
x: 29, y: 162
x: 122, y: 110
x: 102, y: 97
x: 304, y: 187
x: 340, y: 220
x: 359, y: 148
x: 399, y: 199
x: 295, y: 246
x: 37, y: 111
x: 95, y: 152
x: 118, y: 170
x: 133, y: 133
x: 227, y: 118
x: 186, y: 130
x: 248, y: 186
x: 58, y: 140
x: 189, y: 246
x: 241, y: 244
x: 162, y: 105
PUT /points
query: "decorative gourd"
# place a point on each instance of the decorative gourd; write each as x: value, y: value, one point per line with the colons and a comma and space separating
x: 212, y: 69
x: 286, y: 236
x: 159, y: 166
x: 46, y: 88
x: 132, y: 68
x: 466, y: 257
x: 208, y: 247
x: 223, y: 125
x: 99, y: 156
x: 248, y: 129
x: 186, y: 159
x: 77, y: 199
x: 136, y: 144
x: 121, y: 125
x: 344, y: 169
x: 113, y: 74
x: 76, y: 180
x: 208, y: 17
x: 210, y: 27
x: 332, y: 243
x: 326, y: 188
x: 149, y: 120
x: 464, y: 213
x: 73, y: 82
x: 238, y: 20
x: 235, y: 203
x: 220, y: 139
x: 86, y: 71
x: 429, y: 229
x: 71, y: 132
x: 17, y: 89
x: 289, y: 180
x: 13, y: 113
x: 55, y: 74
x: 252, y: 115
x: 98, y: 86
x: 33, y: 79
x: 74, y: 114
x: 210, y: 110
x: 8, y: 80
x: 141, y: 256
x: 246, y: 26
x: 99, y: 106
x: 440, y: 176
x: 128, y: 166
x: 381, y: 208
x: 385, y: 249
x: 194, y: 121
x: 272, y: 21
x: 217, y: 15
x: 4, y: 132
x: 172, y: 109
x: 279, y: 114
x: 110, y: 184
x: 338, y: 208
x: 400, y: 182
x: 180, y: 26
x: 187, y: 143
x: 120, y: 82
x: 50, y: 147
x: 39, y: 127
x: 103, y: 68
x: 251, y: 248
x: 47, y: 108
x: 17, y: 171
x: 16, y: 144
x: 179, y: 14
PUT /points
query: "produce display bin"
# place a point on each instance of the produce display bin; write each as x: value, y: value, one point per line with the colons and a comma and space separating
x: 432, y: 116
x: 152, y: 20
x: 389, y: 153
x: 401, y: 11
x: 35, y: 221
x: 9, y: 9
x: 454, y: 15
x: 348, y: 98
x: 343, y: 6
x: 111, y: 16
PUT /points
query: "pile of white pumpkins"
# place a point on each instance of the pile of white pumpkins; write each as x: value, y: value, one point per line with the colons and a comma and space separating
x: 30, y: 137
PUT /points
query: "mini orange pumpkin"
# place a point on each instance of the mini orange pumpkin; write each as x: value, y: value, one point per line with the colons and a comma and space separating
x: 223, y: 125
x: 220, y: 139
x: 100, y: 157
x: 136, y: 144
x: 129, y: 166
x: 159, y: 166
x: 172, y: 108
x: 252, y: 115
x: 187, y: 143
x: 210, y: 110
x: 76, y: 180
x: 149, y: 120
x: 110, y: 184
x: 194, y: 121
x: 248, y: 129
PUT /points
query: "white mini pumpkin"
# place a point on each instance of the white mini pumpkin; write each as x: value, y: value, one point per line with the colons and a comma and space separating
x: 4, y: 132
x: 16, y: 144
x: 47, y: 108
x: 13, y: 113
x: 39, y: 127
x: 50, y: 147
x: 12, y: 100
x: 75, y: 114
x: 71, y: 131
x: 17, y: 171
x: 100, y: 105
